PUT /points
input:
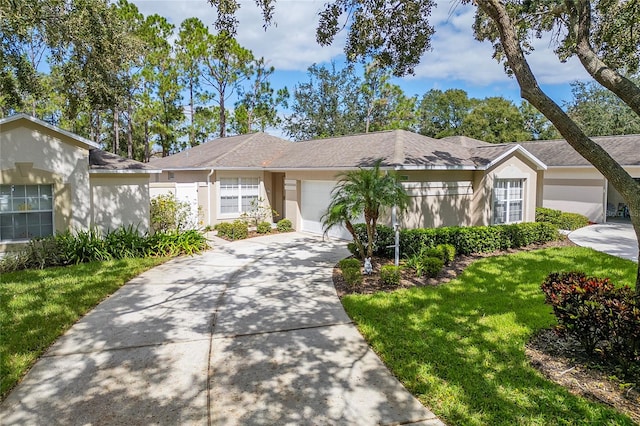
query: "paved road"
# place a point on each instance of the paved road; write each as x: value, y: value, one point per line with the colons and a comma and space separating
x: 251, y: 332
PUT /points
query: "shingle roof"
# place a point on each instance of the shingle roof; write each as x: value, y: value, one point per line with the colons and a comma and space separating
x: 103, y: 160
x: 466, y: 141
x: 625, y: 149
x: 243, y: 151
x: 396, y: 148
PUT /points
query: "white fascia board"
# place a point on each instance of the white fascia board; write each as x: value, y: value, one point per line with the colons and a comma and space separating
x: 185, y: 169
x: 124, y: 172
x: 314, y: 169
x: 435, y: 168
x: 91, y: 144
x: 534, y: 159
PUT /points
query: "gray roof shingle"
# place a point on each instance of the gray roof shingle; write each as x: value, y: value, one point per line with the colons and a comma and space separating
x: 625, y: 149
x: 396, y: 148
x: 253, y: 150
x: 103, y: 160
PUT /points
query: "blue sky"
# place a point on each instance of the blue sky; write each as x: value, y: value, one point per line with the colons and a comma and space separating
x: 457, y: 60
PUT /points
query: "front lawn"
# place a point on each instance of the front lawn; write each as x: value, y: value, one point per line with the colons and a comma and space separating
x: 37, y: 306
x: 460, y: 347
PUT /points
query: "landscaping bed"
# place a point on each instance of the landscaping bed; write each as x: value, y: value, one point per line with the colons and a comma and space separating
x: 372, y: 283
x: 557, y: 360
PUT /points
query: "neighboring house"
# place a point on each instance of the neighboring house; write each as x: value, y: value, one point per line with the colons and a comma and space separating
x: 572, y: 184
x: 52, y: 180
x: 451, y: 181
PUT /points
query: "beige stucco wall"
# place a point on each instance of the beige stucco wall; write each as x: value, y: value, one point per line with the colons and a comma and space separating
x: 208, y: 192
x: 513, y: 167
x: 120, y: 200
x: 438, y: 198
x: 41, y: 156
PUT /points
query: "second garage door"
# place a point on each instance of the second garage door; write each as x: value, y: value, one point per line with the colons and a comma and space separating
x: 316, y: 196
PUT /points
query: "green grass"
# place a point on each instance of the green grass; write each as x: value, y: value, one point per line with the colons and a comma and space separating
x: 37, y: 306
x: 459, y: 347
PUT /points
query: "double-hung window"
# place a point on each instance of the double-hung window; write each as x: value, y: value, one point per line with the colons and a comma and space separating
x: 236, y: 194
x: 508, y: 201
x: 26, y: 211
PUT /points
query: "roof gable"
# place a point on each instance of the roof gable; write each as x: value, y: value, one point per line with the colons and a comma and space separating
x: 30, y: 121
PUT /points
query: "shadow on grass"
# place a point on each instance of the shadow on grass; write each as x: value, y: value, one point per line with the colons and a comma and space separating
x: 460, y: 347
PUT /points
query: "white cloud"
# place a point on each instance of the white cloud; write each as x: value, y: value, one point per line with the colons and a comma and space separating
x: 290, y: 44
x: 457, y: 55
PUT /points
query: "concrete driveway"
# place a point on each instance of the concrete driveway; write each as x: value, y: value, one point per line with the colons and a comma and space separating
x: 615, y: 238
x: 251, y: 332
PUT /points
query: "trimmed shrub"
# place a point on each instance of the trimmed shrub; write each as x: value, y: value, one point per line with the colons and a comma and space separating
x: 349, y: 262
x: 477, y: 239
x: 598, y: 315
x: 353, y: 276
x: 284, y: 225
x: 563, y: 220
x: 263, y: 228
x: 572, y: 221
x: 237, y: 230
x: 448, y: 252
x: 432, y: 266
x: 353, y: 249
x: 383, y: 238
x: 225, y: 229
x: 390, y: 274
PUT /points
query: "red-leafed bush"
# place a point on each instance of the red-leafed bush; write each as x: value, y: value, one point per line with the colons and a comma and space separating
x: 598, y: 315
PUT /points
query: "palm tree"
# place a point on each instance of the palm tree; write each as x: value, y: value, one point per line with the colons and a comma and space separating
x: 363, y: 192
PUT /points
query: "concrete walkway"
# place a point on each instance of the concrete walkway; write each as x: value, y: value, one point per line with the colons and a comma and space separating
x: 249, y: 333
x: 615, y: 238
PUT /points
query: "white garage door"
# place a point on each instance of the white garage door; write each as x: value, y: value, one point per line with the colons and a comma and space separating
x: 316, y: 196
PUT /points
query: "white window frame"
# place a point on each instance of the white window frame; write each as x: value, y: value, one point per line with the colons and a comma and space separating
x: 237, y: 188
x: 28, y: 204
x: 505, y: 200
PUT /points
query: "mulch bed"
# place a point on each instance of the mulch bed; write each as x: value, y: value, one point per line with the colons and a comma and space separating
x: 559, y: 360
x: 372, y: 284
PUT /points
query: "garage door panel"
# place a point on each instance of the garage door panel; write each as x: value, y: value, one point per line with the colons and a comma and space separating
x: 316, y: 196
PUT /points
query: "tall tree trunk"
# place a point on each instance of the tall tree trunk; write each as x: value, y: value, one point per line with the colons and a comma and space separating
x: 192, y: 130
x: 129, y: 131
x: 98, y: 124
x: 531, y: 91
x: 223, y: 121
x: 116, y: 130
x: 147, y: 155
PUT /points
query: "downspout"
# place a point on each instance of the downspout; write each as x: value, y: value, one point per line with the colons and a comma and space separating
x: 605, y: 203
x: 209, y: 197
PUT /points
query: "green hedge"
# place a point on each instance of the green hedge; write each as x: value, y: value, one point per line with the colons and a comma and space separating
x: 563, y: 220
x: 465, y: 240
